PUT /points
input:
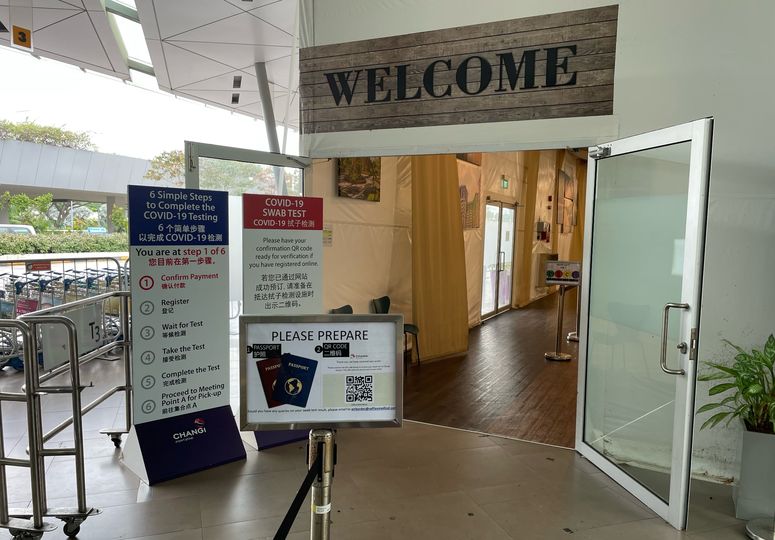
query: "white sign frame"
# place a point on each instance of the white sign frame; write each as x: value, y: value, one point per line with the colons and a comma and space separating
x: 396, y: 321
x: 563, y: 265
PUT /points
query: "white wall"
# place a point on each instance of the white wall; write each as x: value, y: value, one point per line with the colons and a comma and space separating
x: 676, y: 62
x: 371, y: 253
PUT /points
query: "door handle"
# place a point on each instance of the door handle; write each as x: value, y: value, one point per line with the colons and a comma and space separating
x: 502, y: 264
x: 663, y: 352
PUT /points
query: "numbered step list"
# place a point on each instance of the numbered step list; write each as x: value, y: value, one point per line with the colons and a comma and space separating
x: 180, y: 292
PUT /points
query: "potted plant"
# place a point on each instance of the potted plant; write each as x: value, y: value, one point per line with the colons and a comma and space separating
x: 747, y: 387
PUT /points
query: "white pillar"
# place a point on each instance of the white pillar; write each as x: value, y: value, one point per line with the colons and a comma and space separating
x: 111, y: 203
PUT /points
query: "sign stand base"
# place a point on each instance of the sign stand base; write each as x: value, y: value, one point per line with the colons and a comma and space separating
x: 166, y: 449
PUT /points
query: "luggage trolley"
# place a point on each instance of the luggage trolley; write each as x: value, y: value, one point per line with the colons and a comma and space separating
x: 10, y: 341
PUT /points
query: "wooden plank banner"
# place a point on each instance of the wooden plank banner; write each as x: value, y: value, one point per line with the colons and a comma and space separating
x: 549, y: 66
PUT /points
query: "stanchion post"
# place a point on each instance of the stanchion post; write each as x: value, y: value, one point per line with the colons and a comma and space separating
x: 126, y: 353
x: 574, y: 336
x: 35, y: 425
x: 557, y: 354
x: 321, y: 441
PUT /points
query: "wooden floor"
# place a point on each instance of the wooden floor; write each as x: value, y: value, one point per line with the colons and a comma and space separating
x: 504, y: 386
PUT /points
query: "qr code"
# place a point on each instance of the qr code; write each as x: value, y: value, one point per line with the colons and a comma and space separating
x: 359, y: 388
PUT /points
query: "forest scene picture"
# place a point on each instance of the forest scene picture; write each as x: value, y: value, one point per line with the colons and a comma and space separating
x: 359, y: 178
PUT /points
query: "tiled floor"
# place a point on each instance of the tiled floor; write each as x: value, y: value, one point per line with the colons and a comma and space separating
x: 418, y: 482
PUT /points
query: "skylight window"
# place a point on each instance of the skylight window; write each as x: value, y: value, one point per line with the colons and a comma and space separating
x: 133, y: 38
x: 129, y: 3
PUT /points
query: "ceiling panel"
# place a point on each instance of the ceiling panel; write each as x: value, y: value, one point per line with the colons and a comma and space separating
x: 205, y: 43
x: 177, y: 16
x: 159, y: 64
x: 281, y: 14
x: 4, y: 36
x: 279, y: 101
x: 247, y: 5
x: 226, y: 81
x: 57, y: 4
x: 235, y: 55
x: 64, y: 30
x: 44, y: 17
x: 277, y: 70
x: 185, y: 67
x: 242, y: 28
x: 73, y: 38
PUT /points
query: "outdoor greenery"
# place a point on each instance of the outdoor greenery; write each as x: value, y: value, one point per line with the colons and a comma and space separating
x: 46, y: 214
x: 22, y: 244
x: 29, y: 131
x: 119, y: 219
x: 42, y: 211
x: 236, y: 177
x: 168, y: 166
x: 751, y: 380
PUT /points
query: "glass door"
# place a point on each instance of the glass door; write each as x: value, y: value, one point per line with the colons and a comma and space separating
x: 238, y: 171
x: 643, y: 255
x: 498, y: 260
x: 506, y: 256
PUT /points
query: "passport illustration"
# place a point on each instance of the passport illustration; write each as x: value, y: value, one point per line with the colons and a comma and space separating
x: 294, y: 381
x: 268, y: 370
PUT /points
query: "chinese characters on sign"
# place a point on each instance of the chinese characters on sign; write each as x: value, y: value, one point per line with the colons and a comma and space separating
x: 179, y: 271
x: 282, y: 254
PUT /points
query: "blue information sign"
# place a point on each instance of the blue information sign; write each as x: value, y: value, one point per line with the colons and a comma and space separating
x: 177, y: 217
x: 179, y: 260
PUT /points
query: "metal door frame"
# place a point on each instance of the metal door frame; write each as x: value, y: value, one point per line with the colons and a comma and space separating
x: 699, y: 133
x: 195, y: 150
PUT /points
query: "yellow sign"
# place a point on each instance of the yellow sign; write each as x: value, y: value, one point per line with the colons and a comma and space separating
x: 22, y: 37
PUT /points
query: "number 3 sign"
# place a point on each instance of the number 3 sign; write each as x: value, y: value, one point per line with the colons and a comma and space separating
x: 22, y: 37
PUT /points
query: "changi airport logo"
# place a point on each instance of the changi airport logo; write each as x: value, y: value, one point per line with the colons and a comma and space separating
x: 185, y: 436
x: 293, y: 386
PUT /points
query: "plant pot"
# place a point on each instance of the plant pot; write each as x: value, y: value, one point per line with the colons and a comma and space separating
x: 754, y: 494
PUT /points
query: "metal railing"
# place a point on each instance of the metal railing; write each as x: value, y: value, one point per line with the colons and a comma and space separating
x: 23, y: 523
x: 37, y: 283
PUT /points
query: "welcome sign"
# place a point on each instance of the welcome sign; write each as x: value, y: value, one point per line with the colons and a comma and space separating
x: 549, y: 66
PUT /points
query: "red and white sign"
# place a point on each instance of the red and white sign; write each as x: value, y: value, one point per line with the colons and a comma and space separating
x: 282, y: 213
x: 38, y: 266
x: 282, y: 255
x: 25, y: 305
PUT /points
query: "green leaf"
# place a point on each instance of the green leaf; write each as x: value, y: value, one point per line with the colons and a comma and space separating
x: 719, y: 388
x: 769, y: 350
x: 754, y: 389
x: 728, y: 370
x: 713, y: 376
x: 708, y: 407
x: 715, y: 419
x: 737, y: 348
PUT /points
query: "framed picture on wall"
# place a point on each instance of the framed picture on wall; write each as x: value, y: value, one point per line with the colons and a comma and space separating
x: 470, y: 189
x: 569, y: 186
x: 359, y: 178
x: 567, y: 215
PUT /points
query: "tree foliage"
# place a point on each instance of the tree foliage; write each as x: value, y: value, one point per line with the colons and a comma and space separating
x: 119, y: 219
x: 29, y: 131
x: 26, y: 210
x: 168, y: 166
x: 236, y: 177
x: 45, y: 214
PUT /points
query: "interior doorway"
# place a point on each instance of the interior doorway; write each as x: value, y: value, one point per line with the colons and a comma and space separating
x: 532, y: 210
x: 498, y: 259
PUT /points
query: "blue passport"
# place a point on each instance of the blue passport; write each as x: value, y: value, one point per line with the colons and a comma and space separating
x: 294, y: 381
